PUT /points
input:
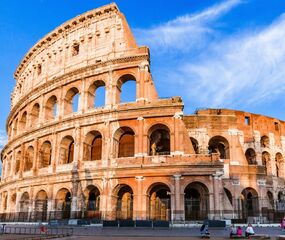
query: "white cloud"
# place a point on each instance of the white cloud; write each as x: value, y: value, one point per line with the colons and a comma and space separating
x: 185, y: 32
x: 246, y: 69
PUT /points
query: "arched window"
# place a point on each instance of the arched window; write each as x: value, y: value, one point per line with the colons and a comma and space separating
x: 126, y: 91
x: 41, y: 206
x: 250, y: 156
x: 264, y: 142
x: 93, y: 146
x: 71, y: 101
x: 51, y: 111
x: 220, y: 145
x: 29, y: 159
x: 195, y: 145
x: 266, y: 162
x: 45, y: 154
x: 35, y: 114
x: 96, y: 94
x: 124, y: 142
x: 159, y: 137
x: 15, y: 127
x: 279, y: 163
x: 18, y: 161
x: 23, y: 121
x: 66, y: 150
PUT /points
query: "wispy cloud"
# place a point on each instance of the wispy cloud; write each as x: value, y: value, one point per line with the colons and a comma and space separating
x: 243, y: 69
x: 185, y: 32
x: 238, y: 69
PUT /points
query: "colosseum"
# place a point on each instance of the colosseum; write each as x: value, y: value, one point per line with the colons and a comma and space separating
x: 70, y: 157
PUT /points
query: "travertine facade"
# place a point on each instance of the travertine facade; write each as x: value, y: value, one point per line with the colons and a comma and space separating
x: 137, y: 160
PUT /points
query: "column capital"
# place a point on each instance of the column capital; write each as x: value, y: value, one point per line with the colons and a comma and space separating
x: 177, y: 177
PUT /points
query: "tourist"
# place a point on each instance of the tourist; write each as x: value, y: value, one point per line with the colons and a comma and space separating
x: 233, y: 231
x: 282, y: 224
x: 204, y: 231
x: 239, y: 231
x: 249, y: 230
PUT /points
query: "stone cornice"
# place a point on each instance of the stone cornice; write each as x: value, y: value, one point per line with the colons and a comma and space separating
x: 60, y: 31
x: 125, y: 59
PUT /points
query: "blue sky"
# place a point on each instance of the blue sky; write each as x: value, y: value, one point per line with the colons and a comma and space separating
x: 225, y: 54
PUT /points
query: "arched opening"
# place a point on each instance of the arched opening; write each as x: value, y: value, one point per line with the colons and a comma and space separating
x: 264, y: 141
x: 220, y: 145
x: 66, y: 150
x: 13, y: 202
x: 8, y: 167
x: 229, y: 195
x: 266, y: 162
x: 29, y: 159
x: 71, y: 101
x: 281, y: 201
x: 63, y: 204
x: 159, y: 137
x: 124, y: 207
x: 15, y: 128
x: 195, y: 145
x: 51, y: 111
x: 18, y: 162
x: 23, y: 121
x: 124, y: 142
x: 159, y: 202
x: 35, y: 114
x: 45, y: 154
x: 250, y: 203
x: 96, y: 94
x: 279, y: 163
x: 126, y: 89
x: 270, y: 200
x: 93, y: 146
x: 5, y: 202
x: 24, y: 207
x: 196, y: 200
x: 92, y: 202
x: 41, y: 206
x: 250, y: 156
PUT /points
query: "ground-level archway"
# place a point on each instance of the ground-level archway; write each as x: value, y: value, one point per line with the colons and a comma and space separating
x: 124, y: 206
x: 196, y: 201
x: 92, y: 202
x: 63, y: 204
x: 159, y: 202
x: 41, y: 202
x: 249, y: 203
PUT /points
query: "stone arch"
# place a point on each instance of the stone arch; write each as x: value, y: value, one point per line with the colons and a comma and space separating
x: 250, y: 155
x: 159, y: 140
x: 8, y: 166
x: 159, y: 201
x: 93, y: 146
x: 41, y: 203
x: 279, y: 163
x: 92, y: 202
x: 126, y: 78
x: 281, y: 201
x: 51, y: 108
x: 24, y: 202
x: 45, y: 154
x: 5, y: 205
x: 71, y: 101
x: 195, y: 145
x: 18, y: 161
x: 266, y: 162
x: 250, y: 202
x: 35, y: 114
x: 196, y: 201
x: 124, y: 142
x: 66, y: 150
x: 63, y: 201
x: 94, y: 94
x: 264, y: 141
x: 220, y: 145
x: 15, y: 127
x: 13, y: 202
x: 270, y: 199
x: 23, y: 121
x: 29, y: 157
x: 124, y: 205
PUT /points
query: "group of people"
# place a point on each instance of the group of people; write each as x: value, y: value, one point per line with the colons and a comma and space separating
x: 237, y: 231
